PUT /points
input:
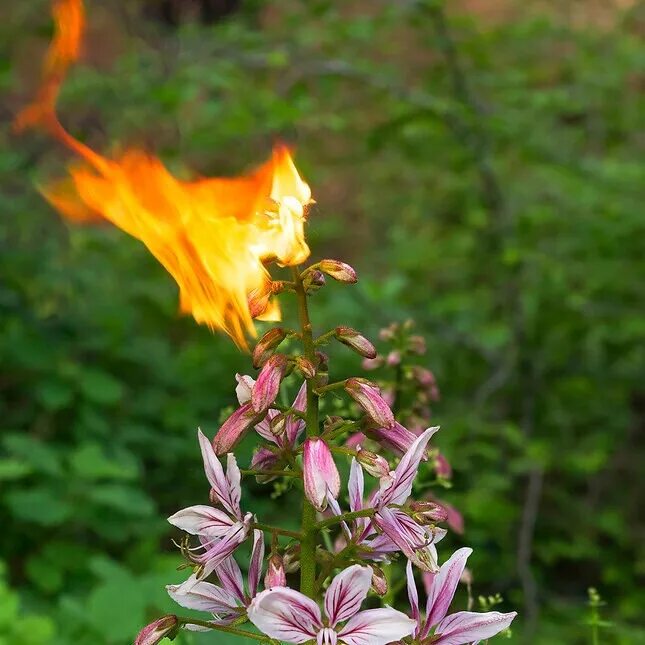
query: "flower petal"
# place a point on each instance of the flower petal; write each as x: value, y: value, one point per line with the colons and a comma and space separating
x: 202, y: 520
x: 395, y: 438
x: 216, y: 478
x: 319, y: 472
x: 244, y: 388
x: 234, y: 479
x: 368, y: 396
x: 468, y: 626
x: 155, y: 632
x: 267, y: 386
x: 255, y: 565
x: 286, y: 615
x: 234, y: 428
x: 415, y: 541
x: 346, y: 593
x: 230, y: 577
x: 203, y: 596
x: 413, y: 595
x: 294, y: 425
x: 406, y: 471
x: 377, y: 627
x: 444, y: 585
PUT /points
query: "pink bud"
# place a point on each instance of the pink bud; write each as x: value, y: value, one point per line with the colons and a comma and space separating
x: 442, y: 467
x: 355, y: 440
x: 339, y: 271
x: 417, y: 345
x: 233, y: 429
x: 155, y: 632
x: 267, y: 386
x: 423, y: 376
x: 275, y: 576
x: 368, y: 396
x: 370, y: 364
x: 396, y: 438
x: 428, y: 512
x: 379, y: 581
x: 244, y: 388
x: 319, y: 472
x: 374, y: 464
x: 393, y: 358
x: 306, y: 367
x: 258, y: 300
x: 389, y: 332
x: 356, y: 341
x: 323, y: 361
x: 267, y: 345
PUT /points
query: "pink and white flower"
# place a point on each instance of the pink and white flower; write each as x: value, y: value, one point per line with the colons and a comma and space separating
x: 219, y: 530
x: 228, y: 600
x: 458, y: 628
x: 391, y: 528
x: 289, y: 616
x: 320, y: 475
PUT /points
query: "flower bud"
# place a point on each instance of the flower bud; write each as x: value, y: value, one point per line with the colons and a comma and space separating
x: 233, y: 429
x: 417, y: 345
x: 388, y: 333
x: 370, y: 364
x: 355, y: 440
x: 374, y: 464
x: 339, y: 271
x: 442, y: 467
x: 368, y: 396
x: 264, y: 459
x: 319, y: 472
x: 275, y: 576
x: 258, y: 300
x: 158, y: 630
x: 306, y: 367
x: 267, y: 345
x: 323, y: 361
x: 267, y: 386
x: 428, y: 512
x: 423, y: 376
x: 356, y: 341
x: 313, y: 280
x: 379, y: 581
x: 393, y: 358
x: 395, y: 438
x: 291, y: 558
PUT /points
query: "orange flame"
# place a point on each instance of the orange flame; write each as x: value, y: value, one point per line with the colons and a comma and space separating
x: 213, y: 235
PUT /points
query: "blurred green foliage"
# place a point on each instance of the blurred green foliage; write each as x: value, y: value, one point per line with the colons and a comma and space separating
x: 484, y: 179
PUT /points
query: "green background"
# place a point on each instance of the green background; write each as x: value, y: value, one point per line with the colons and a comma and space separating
x: 481, y: 171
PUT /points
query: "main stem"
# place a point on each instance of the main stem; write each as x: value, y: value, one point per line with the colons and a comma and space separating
x: 308, y: 523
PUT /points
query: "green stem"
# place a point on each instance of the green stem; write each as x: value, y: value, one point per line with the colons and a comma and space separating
x: 273, y: 473
x: 367, y: 512
x: 308, y: 522
x: 331, y: 386
x: 276, y: 530
x: 228, y: 630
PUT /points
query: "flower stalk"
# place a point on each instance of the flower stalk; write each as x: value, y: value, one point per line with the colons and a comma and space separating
x: 308, y: 518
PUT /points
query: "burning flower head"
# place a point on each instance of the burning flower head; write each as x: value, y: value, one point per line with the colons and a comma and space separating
x: 213, y: 235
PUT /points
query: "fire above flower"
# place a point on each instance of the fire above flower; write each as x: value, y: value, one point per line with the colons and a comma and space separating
x: 213, y: 235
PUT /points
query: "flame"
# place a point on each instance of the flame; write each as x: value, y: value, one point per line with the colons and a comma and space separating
x: 213, y: 235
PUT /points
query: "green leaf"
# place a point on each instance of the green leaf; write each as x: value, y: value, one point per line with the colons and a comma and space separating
x: 11, y: 469
x: 100, y: 387
x: 89, y: 461
x: 39, y: 505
